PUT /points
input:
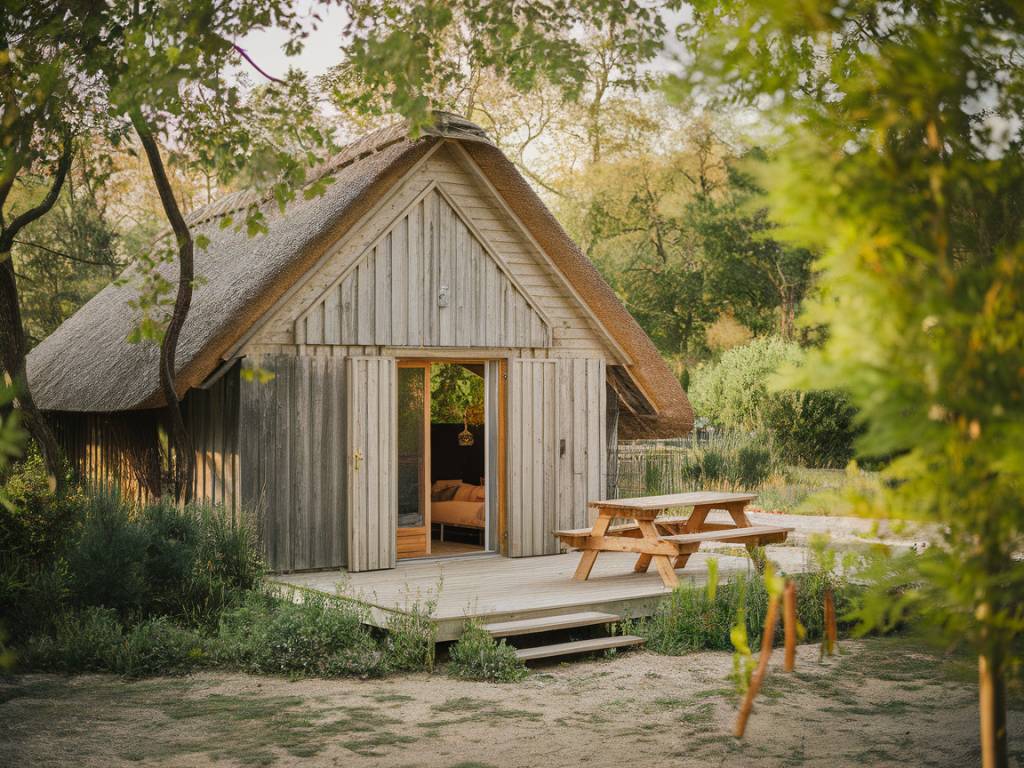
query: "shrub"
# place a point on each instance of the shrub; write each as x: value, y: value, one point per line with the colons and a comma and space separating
x: 31, y: 597
x: 189, y: 563
x: 36, y: 524
x: 733, y: 391
x: 753, y: 466
x: 86, y: 641
x: 411, y: 638
x: 319, y: 636
x: 478, y: 656
x: 107, y: 564
x: 160, y: 647
x: 812, y: 429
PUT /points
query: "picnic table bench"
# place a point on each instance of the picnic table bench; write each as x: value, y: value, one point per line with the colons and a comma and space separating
x: 667, y: 541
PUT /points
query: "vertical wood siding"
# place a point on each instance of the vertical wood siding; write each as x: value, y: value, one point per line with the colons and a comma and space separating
x: 533, y: 447
x: 211, y: 417
x: 582, y: 468
x: 371, y: 462
x: 112, y: 452
x: 391, y: 297
x: 557, y: 454
x: 291, y: 455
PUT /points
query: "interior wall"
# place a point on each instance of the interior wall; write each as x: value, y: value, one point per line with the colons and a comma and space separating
x: 449, y: 460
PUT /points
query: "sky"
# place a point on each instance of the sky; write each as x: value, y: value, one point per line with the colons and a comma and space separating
x: 322, y: 49
x: 323, y: 46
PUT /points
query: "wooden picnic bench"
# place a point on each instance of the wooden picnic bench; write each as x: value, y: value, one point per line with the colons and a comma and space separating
x: 667, y: 541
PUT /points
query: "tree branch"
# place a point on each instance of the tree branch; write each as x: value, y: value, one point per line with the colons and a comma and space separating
x: 22, y: 220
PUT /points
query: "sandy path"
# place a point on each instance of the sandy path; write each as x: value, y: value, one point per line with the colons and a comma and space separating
x: 883, y: 702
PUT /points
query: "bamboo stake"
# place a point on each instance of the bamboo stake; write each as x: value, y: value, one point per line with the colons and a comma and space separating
x: 830, y: 622
x: 789, y: 624
x: 992, y: 701
x: 762, y: 665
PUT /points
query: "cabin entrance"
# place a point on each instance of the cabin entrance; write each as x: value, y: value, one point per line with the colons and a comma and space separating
x: 447, y: 457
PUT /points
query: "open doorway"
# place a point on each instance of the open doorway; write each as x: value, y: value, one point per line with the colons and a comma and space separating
x: 445, y: 496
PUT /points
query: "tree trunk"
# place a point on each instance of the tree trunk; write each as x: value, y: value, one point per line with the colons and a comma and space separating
x: 992, y: 701
x: 14, y: 344
x: 182, y: 457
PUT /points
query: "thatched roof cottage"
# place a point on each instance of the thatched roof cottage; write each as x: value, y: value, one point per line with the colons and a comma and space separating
x: 428, y: 280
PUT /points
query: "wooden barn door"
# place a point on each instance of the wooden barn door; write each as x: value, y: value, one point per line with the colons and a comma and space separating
x: 371, y: 463
x: 532, y: 457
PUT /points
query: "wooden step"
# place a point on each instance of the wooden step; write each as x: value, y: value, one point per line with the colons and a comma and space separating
x: 550, y: 623
x: 577, y: 646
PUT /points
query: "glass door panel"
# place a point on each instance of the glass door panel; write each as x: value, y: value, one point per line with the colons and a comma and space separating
x: 413, y: 460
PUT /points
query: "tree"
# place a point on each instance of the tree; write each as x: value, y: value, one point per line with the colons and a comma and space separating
x: 753, y: 272
x: 901, y: 160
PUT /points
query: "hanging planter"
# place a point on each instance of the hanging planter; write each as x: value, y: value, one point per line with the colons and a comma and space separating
x: 466, y: 438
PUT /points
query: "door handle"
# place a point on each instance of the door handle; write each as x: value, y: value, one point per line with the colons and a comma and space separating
x: 357, y: 457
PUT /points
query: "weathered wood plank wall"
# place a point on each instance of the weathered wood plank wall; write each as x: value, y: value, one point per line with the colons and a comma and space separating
x: 533, y: 445
x: 291, y: 456
x: 371, y: 463
x: 112, y: 452
x: 427, y: 281
x: 557, y: 453
x: 211, y: 417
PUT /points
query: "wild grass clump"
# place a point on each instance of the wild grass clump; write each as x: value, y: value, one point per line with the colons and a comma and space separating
x: 319, y: 636
x: 95, y: 640
x: 726, y: 461
x: 694, y: 618
x: 478, y: 656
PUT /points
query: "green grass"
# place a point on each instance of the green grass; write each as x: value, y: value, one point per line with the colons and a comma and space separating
x: 805, y: 491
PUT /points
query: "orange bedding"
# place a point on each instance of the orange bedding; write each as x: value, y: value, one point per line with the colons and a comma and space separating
x: 466, y: 513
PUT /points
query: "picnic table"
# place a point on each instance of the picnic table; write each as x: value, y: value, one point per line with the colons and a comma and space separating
x: 667, y: 541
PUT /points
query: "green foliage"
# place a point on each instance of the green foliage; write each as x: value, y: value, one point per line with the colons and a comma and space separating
x: 478, y: 656
x: 901, y: 162
x: 95, y: 640
x: 319, y: 636
x: 694, y: 618
x: 36, y: 524
x: 107, y: 564
x: 164, y: 560
x: 455, y: 393
x: 411, y: 638
x: 734, y: 391
x: 732, y: 460
x: 812, y: 429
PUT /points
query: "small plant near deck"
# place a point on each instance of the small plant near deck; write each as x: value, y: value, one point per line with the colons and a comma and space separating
x: 478, y: 656
x: 412, y: 637
x: 694, y: 618
x: 319, y: 636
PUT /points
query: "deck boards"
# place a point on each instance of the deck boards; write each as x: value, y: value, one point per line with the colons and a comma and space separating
x: 495, y: 588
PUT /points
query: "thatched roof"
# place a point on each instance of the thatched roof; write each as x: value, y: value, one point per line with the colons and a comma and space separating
x: 87, y: 364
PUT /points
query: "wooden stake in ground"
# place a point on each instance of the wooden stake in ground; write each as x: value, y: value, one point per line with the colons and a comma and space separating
x: 762, y: 664
x: 789, y: 624
x: 830, y: 623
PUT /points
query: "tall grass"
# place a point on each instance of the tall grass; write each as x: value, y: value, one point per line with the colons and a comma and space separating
x: 726, y: 461
x: 693, y: 618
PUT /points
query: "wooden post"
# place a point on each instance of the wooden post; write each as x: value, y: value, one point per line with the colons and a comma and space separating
x: 830, y: 622
x: 762, y: 665
x: 789, y: 624
x: 992, y: 701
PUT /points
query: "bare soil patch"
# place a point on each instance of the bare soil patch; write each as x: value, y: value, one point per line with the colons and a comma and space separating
x: 881, y: 702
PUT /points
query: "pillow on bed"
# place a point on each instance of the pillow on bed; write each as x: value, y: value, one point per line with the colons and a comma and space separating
x: 446, y: 493
x: 464, y: 492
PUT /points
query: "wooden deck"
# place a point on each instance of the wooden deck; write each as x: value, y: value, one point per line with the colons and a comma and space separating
x: 493, y: 588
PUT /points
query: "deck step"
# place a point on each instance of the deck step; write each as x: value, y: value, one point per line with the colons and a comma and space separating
x: 577, y: 646
x: 550, y: 623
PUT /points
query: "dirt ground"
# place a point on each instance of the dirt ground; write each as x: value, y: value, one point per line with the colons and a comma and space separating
x: 881, y: 702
